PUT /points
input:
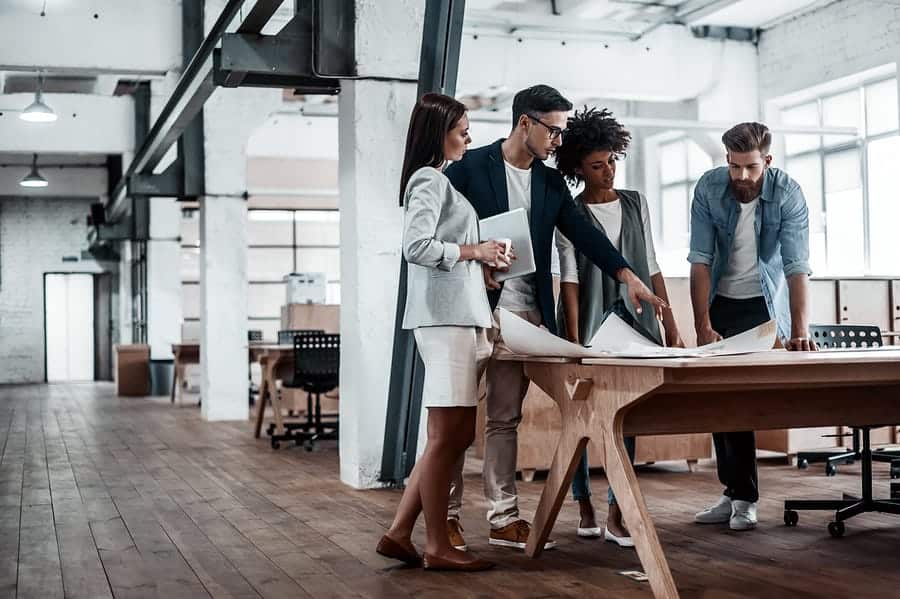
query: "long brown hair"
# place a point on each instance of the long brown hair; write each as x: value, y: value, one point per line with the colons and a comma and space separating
x: 433, y: 116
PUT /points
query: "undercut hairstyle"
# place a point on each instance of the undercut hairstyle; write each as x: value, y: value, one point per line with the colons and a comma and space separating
x: 590, y: 130
x: 433, y: 117
x: 748, y: 137
x: 536, y: 100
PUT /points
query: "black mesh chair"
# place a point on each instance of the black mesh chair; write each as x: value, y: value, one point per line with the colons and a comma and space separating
x: 831, y: 338
x: 286, y: 337
x: 317, y: 357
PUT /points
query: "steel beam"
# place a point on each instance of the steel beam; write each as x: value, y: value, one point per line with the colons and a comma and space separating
x: 192, y: 90
x: 438, y: 64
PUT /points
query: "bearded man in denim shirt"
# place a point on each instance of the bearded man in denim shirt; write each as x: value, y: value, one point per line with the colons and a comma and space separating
x: 749, y: 264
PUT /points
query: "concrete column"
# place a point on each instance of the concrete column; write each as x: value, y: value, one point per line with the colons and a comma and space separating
x: 163, y: 278
x: 373, y: 118
x: 230, y: 117
x: 125, y: 319
x: 223, y: 301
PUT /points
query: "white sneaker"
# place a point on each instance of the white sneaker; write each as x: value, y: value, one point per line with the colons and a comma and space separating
x: 718, y: 513
x: 743, y: 515
x: 620, y: 541
x: 589, y: 533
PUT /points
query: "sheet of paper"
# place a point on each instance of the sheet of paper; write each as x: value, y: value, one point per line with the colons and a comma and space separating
x: 615, y: 338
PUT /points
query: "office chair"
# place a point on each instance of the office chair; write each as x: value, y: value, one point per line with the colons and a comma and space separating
x: 830, y: 338
x: 842, y: 337
x: 316, y: 370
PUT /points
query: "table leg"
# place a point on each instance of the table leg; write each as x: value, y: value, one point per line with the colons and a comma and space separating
x: 628, y: 495
x: 559, y: 478
x: 174, y: 381
x: 275, y: 396
x: 572, y: 442
x: 261, y: 407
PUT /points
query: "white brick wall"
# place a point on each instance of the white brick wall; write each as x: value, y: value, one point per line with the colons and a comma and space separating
x: 35, y: 234
x: 839, y: 39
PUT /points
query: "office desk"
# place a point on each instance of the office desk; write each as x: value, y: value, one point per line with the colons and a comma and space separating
x: 605, y: 399
x: 189, y: 353
x: 185, y: 353
x: 272, y: 357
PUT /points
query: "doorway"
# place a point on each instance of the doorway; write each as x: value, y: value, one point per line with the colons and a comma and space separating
x: 69, y: 327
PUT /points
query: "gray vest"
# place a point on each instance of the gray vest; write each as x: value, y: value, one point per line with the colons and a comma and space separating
x: 598, y: 291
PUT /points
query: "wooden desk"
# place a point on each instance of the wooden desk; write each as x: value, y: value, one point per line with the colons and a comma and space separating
x: 606, y: 399
x: 272, y: 357
x: 189, y: 353
x: 185, y: 353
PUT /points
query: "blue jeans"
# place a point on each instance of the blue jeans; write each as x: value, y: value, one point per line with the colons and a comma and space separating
x: 581, y: 484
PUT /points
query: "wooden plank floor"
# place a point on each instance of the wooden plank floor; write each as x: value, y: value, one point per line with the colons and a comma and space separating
x: 106, y: 497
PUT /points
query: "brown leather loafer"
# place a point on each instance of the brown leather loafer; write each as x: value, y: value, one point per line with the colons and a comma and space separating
x: 388, y: 547
x: 433, y: 562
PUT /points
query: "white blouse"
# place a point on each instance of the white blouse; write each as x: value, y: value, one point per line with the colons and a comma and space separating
x: 609, y: 215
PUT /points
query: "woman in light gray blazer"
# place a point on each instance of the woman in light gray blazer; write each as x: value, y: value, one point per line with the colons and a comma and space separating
x: 447, y: 308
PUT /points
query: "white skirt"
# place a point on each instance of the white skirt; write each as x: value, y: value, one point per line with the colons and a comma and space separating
x: 455, y: 358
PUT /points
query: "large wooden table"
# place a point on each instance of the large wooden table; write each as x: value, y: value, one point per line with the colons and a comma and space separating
x: 603, y: 400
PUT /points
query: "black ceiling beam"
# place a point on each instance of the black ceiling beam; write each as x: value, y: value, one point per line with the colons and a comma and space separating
x: 283, y: 60
x: 192, y: 90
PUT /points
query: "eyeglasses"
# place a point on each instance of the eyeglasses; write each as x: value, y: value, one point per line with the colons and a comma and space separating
x: 555, y: 132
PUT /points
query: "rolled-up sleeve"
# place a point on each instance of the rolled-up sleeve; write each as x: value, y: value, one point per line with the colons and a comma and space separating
x: 703, y: 235
x: 424, y: 200
x: 568, y: 263
x: 794, y: 234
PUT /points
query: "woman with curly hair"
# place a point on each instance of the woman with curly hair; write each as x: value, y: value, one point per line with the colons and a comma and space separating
x: 593, y: 143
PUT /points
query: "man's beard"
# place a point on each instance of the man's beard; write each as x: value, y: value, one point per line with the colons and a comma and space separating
x: 746, y: 193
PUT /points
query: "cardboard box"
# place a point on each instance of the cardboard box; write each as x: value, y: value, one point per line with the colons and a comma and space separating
x: 311, y: 316
x: 132, y: 370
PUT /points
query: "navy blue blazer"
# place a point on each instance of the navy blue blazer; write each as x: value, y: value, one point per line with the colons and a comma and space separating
x: 481, y: 177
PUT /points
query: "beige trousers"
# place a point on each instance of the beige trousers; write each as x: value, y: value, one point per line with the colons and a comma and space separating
x: 506, y: 386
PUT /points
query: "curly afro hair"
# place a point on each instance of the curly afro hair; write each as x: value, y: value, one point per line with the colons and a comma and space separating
x: 590, y: 130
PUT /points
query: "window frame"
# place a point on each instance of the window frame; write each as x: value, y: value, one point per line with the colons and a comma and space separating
x: 860, y: 143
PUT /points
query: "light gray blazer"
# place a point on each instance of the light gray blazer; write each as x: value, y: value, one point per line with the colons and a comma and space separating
x: 441, y: 290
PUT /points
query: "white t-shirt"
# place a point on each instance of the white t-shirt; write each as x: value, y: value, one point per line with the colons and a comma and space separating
x: 519, y: 294
x: 609, y: 215
x: 741, y: 277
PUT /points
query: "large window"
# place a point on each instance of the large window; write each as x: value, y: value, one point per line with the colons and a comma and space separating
x: 853, y: 203
x: 279, y: 242
x: 681, y: 164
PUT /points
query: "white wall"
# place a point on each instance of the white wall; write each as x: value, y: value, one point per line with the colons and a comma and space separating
x: 838, y: 40
x: 35, y: 234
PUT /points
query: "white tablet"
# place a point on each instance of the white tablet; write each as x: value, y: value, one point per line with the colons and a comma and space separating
x: 512, y: 225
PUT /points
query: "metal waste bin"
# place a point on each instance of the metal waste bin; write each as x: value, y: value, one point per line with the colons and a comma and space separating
x: 161, y: 376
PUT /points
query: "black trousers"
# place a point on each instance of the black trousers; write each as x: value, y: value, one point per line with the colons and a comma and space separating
x: 736, y: 452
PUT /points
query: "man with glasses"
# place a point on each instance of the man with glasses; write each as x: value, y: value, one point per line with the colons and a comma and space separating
x: 503, y: 176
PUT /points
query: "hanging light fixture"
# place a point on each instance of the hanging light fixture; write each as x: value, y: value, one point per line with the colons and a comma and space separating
x: 34, y: 178
x: 37, y: 111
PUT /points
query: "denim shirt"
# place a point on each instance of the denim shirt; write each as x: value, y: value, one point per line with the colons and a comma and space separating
x: 782, y: 235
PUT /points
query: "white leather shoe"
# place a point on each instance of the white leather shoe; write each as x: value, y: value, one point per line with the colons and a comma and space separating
x: 743, y: 515
x: 620, y: 541
x: 718, y: 513
x: 589, y: 533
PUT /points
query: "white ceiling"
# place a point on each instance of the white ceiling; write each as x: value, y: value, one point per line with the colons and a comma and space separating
x: 634, y: 15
